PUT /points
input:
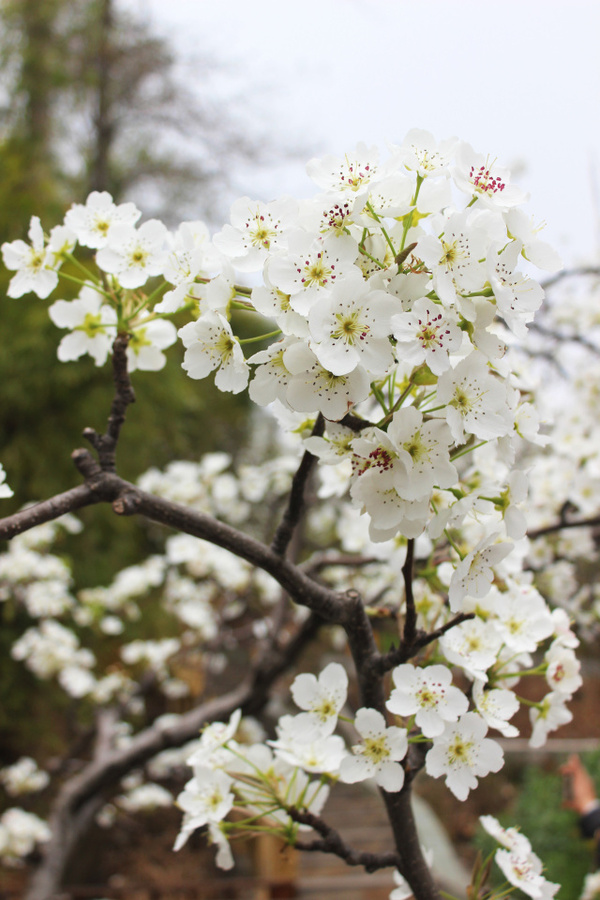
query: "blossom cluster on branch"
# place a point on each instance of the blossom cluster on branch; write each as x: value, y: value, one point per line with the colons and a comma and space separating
x: 384, y: 342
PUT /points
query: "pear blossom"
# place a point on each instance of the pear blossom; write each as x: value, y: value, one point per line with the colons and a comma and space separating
x: 23, y: 777
x: 93, y: 326
x: 20, y: 831
x: 311, y: 746
x: 379, y: 753
x: 210, y: 750
x: 348, y: 174
x: 472, y: 645
x: 463, y: 753
x: 5, y: 490
x: 313, y: 388
x: 496, y: 706
x: 563, y: 672
x: 428, y: 695
x: 134, y: 255
x: 311, y: 266
x: 146, y: 343
x: 351, y: 326
x: 35, y: 264
x: 210, y: 344
x: 420, y: 152
x: 474, y: 574
x: 322, y: 697
x: 509, y: 838
x: 256, y: 230
x: 522, y: 618
x: 551, y: 713
x: 423, y: 448
x: 206, y: 798
x: 476, y: 402
x: 488, y: 183
x: 426, y: 334
x: 524, y: 872
x: 191, y: 254
x: 94, y: 221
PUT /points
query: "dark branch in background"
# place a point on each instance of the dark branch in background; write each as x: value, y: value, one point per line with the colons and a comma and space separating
x: 106, y: 444
x: 332, y: 842
x: 592, y: 522
x: 561, y: 338
x: 295, y: 506
x: 570, y: 273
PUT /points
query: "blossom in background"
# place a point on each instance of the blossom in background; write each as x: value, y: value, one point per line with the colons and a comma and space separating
x: 5, y: 490
x: 23, y: 777
x: 519, y: 864
x: 20, y: 831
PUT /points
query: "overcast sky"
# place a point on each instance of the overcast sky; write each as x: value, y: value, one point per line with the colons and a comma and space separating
x: 518, y: 79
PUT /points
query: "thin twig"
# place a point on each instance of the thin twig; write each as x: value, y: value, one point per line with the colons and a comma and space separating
x: 592, y: 522
x: 295, y: 506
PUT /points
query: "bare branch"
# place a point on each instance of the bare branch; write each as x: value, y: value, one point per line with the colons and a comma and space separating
x: 410, y: 619
x: 332, y: 842
x: 592, y: 522
x: 570, y: 273
x: 399, y: 655
x: 292, y: 515
x: 46, y: 511
x: 106, y: 444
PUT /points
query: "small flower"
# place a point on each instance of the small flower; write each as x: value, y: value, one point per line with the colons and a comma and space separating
x: 92, y: 323
x: 462, y: 753
x: 428, y: 695
x: 93, y: 223
x: 322, y: 697
x: 5, y: 490
x: 211, y: 344
x: 378, y: 754
x: 35, y: 264
x: 134, y: 255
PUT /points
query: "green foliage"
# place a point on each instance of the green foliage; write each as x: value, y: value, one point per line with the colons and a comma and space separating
x: 553, y: 831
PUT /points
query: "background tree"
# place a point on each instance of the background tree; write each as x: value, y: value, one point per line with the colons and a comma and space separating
x: 92, y: 101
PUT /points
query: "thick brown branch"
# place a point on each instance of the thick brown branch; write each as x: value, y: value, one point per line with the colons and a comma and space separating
x: 295, y: 506
x: 46, y: 511
x: 332, y: 842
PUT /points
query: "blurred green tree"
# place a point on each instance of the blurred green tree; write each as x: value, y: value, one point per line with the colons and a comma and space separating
x: 89, y: 100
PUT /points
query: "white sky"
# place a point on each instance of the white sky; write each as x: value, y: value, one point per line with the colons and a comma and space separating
x: 518, y: 79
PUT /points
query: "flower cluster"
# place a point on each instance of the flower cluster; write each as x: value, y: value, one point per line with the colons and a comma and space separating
x: 520, y: 865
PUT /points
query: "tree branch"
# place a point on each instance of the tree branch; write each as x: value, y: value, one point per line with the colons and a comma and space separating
x: 332, y: 842
x: 47, y: 510
x: 106, y: 444
x: 559, y: 526
x: 292, y: 515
